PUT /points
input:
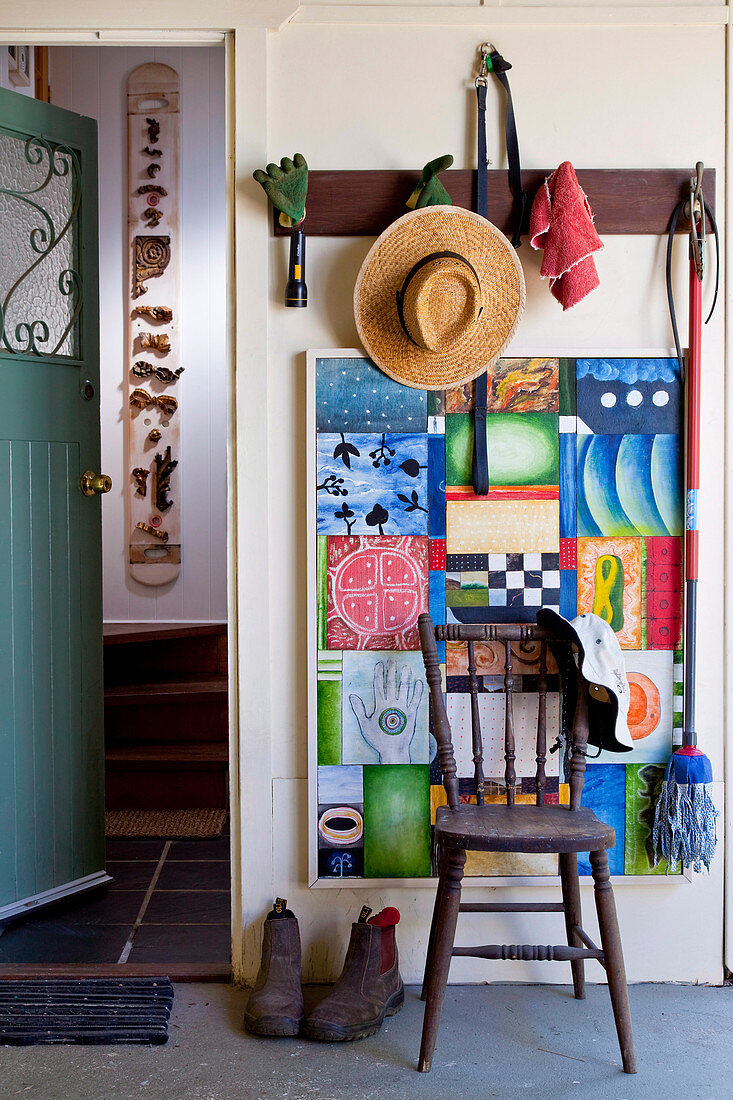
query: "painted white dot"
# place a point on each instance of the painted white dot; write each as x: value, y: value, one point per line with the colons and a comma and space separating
x: 608, y: 400
x: 660, y: 398
x: 392, y: 618
x: 634, y: 398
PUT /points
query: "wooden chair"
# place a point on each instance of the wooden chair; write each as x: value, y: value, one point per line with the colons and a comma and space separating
x: 565, y: 830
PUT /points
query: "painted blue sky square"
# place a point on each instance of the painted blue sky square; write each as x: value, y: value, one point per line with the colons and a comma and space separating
x: 372, y: 484
x: 622, y: 396
x: 353, y: 396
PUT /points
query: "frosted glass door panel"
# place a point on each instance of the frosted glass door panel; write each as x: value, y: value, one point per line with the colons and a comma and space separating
x: 40, y: 284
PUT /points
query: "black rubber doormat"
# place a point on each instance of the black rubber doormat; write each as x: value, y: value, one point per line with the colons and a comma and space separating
x: 93, y: 1010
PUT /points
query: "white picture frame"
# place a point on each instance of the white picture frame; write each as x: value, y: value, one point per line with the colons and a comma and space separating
x: 19, y: 65
x: 377, y: 884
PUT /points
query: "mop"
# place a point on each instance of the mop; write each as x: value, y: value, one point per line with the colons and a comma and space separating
x: 684, y: 823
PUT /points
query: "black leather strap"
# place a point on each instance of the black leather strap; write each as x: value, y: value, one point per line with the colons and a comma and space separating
x: 480, y: 463
x: 480, y: 449
x: 482, y: 198
x: 678, y: 210
x: 499, y: 67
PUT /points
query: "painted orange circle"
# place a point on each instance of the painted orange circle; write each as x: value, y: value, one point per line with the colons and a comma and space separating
x: 644, y: 706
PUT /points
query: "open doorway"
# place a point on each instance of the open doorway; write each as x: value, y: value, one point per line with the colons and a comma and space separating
x: 166, y: 739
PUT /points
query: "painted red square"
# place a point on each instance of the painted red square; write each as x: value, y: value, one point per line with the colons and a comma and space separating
x: 663, y: 592
x: 568, y: 554
x: 377, y: 585
x: 437, y: 554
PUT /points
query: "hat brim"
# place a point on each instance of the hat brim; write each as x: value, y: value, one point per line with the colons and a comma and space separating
x: 393, y: 255
x: 607, y: 726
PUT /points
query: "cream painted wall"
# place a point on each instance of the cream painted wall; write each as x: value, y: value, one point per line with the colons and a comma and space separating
x: 92, y: 80
x: 386, y: 86
x: 393, y: 98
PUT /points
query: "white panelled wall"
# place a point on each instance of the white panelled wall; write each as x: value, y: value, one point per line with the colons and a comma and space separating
x: 389, y: 86
x: 92, y: 81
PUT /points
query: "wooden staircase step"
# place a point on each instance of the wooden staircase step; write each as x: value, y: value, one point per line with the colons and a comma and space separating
x: 134, y: 651
x: 192, y: 755
x: 133, y: 633
x: 172, y: 690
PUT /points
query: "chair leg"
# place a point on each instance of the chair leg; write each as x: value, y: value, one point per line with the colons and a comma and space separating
x: 614, y: 958
x: 448, y: 901
x: 433, y: 926
x: 573, y: 915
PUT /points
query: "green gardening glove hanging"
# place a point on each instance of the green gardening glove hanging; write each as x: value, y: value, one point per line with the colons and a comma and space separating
x: 430, y: 191
x: 286, y: 187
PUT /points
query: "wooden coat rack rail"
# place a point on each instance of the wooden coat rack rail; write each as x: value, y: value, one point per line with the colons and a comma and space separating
x: 362, y: 204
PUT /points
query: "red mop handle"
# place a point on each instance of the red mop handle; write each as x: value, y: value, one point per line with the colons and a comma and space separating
x: 693, y: 424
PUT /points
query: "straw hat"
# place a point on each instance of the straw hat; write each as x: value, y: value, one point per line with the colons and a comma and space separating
x: 438, y: 297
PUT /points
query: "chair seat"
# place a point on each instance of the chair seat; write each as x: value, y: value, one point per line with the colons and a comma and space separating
x: 523, y: 828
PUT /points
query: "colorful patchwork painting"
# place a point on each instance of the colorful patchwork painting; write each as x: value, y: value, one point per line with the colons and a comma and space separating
x: 584, y: 513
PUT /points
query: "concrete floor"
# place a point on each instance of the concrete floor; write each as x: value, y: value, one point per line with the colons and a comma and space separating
x: 502, y: 1040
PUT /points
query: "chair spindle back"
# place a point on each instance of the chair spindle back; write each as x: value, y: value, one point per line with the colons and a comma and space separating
x: 505, y: 635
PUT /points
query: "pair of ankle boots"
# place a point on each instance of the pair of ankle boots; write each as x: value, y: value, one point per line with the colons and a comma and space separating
x: 369, y: 988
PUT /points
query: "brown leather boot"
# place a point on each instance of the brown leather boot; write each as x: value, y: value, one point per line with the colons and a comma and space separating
x: 276, y: 1004
x: 370, y: 986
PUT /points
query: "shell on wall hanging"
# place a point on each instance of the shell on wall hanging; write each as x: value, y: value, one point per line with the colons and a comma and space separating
x: 153, y: 307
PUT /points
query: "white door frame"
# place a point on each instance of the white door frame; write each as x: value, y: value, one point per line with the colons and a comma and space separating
x: 246, y: 50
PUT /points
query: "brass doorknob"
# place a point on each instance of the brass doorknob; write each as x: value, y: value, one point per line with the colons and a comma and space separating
x: 92, y: 483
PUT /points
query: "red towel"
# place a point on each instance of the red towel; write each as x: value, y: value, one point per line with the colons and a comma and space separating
x: 562, y: 223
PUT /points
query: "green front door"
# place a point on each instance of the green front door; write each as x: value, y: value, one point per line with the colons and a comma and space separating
x: 51, y: 736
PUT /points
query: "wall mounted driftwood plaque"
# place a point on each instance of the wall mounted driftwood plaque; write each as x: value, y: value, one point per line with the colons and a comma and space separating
x: 153, y: 364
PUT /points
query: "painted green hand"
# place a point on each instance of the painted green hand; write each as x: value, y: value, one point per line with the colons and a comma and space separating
x: 390, y: 728
x: 287, y: 186
x: 430, y: 191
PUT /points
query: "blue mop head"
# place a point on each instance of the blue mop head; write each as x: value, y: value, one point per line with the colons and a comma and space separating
x: 684, y: 821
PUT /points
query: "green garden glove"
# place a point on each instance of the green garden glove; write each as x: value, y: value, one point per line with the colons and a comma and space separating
x: 430, y: 191
x: 286, y: 187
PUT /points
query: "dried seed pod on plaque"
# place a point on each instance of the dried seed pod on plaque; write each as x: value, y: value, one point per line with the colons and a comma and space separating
x: 155, y: 341
x: 141, y: 478
x: 141, y: 369
x: 152, y: 216
x: 151, y: 257
x: 154, y: 313
x: 164, y: 467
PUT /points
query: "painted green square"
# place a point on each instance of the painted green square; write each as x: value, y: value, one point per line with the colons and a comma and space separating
x: 643, y: 782
x: 329, y: 721
x: 523, y: 450
x: 396, y: 820
x: 567, y: 387
x: 322, y: 583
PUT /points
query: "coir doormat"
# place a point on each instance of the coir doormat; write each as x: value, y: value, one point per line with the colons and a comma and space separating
x: 91, y: 1011
x: 198, y: 824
